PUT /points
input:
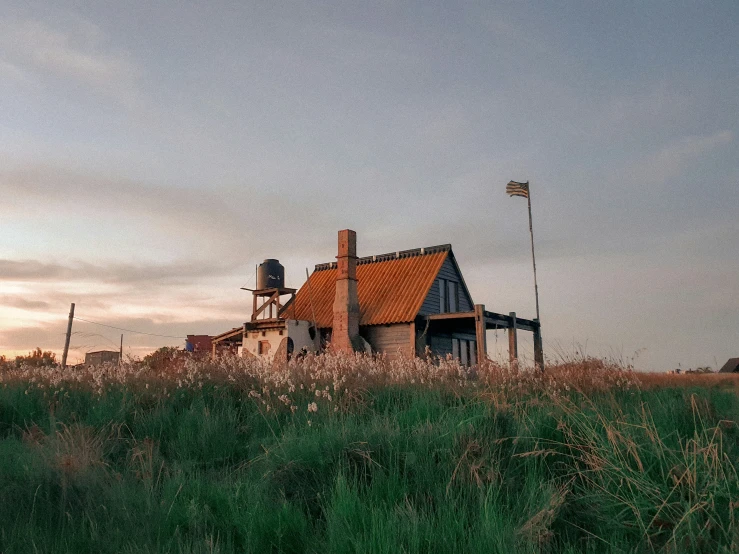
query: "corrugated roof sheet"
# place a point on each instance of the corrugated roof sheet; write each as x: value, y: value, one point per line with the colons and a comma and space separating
x: 391, y: 287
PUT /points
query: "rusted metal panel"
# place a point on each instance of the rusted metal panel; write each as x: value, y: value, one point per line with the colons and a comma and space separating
x: 391, y: 288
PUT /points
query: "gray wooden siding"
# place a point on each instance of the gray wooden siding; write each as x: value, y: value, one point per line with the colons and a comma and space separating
x: 441, y: 344
x: 388, y: 339
x: 431, y: 304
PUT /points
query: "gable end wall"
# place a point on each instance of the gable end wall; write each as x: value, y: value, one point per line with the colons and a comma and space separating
x: 431, y: 304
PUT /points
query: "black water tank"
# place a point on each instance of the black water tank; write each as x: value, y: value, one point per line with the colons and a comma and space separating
x: 270, y: 275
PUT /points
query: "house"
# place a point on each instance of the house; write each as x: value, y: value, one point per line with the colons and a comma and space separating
x: 102, y: 357
x: 395, y: 295
x: 732, y: 366
x: 402, y: 303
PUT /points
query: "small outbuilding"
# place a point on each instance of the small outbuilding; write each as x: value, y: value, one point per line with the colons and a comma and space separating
x: 732, y: 366
x: 102, y: 356
x: 199, y: 344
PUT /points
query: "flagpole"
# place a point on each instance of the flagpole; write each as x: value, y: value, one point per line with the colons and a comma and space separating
x: 533, y: 256
x: 514, y: 188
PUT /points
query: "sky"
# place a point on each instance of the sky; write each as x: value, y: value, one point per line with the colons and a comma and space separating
x: 151, y: 154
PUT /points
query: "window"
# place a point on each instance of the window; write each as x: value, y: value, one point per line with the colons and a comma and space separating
x: 464, y: 351
x: 473, y: 352
x: 263, y: 347
x: 452, y: 296
x: 455, y: 349
x: 442, y: 296
x: 448, y: 296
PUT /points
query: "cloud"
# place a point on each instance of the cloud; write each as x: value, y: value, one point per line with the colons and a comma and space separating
x: 22, y: 303
x: 215, y: 221
x: 673, y: 158
x: 114, y: 273
x: 77, y: 53
x: 12, y: 72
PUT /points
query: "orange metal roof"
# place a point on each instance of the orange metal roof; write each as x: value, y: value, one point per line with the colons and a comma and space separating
x: 391, y: 288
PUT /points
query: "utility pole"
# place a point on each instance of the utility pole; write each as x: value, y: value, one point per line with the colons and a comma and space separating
x: 120, y: 356
x: 69, y: 336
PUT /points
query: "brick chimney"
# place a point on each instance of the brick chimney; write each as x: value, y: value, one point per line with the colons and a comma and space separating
x: 346, y: 302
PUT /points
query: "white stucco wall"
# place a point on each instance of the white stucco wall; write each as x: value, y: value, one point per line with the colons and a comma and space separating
x: 297, y: 330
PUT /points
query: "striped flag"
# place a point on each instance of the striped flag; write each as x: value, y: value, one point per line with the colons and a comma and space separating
x: 515, y: 188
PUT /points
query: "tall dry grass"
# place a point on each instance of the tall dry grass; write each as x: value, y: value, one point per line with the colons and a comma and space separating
x: 337, y: 453
x: 336, y: 379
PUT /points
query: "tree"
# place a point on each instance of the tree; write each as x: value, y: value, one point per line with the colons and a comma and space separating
x: 164, y: 359
x: 37, y: 358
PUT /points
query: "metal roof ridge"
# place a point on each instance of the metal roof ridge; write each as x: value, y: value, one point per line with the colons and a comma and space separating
x: 426, y: 250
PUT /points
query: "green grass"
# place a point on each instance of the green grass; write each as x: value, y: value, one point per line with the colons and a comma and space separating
x: 405, y: 468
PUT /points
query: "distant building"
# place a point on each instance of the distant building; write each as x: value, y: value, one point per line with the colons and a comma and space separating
x: 732, y: 366
x: 102, y: 357
x: 199, y: 344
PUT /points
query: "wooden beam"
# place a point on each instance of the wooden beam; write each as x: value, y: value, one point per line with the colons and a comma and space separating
x: 455, y: 315
x: 500, y: 321
x: 492, y: 320
x: 525, y: 325
x: 512, y: 341
x: 269, y: 303
x: 497, y: 321
x: 480, y: 334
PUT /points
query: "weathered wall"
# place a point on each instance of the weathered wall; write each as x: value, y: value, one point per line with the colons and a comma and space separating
x: 298, y: 331
x: 389, y: 339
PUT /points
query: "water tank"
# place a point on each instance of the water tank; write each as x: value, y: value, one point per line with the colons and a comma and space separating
x: 270, y: 275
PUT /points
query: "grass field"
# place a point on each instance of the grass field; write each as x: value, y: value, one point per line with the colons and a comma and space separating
x: 338, y: 454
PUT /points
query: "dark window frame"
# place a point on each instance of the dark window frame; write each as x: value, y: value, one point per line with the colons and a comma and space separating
x: 452, y: 296
x: 442, y: 296
x: 448, y: 296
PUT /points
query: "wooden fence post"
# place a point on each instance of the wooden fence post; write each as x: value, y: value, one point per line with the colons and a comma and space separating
x: 480, y: 334
x: 512, y: 340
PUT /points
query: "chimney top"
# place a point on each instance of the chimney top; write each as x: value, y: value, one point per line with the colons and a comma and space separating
x: 347, y: 244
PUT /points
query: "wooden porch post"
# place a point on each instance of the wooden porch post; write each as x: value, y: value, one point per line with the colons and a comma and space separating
x: 538, y: 348
x: 480, y: 334
x: 512, y: 341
